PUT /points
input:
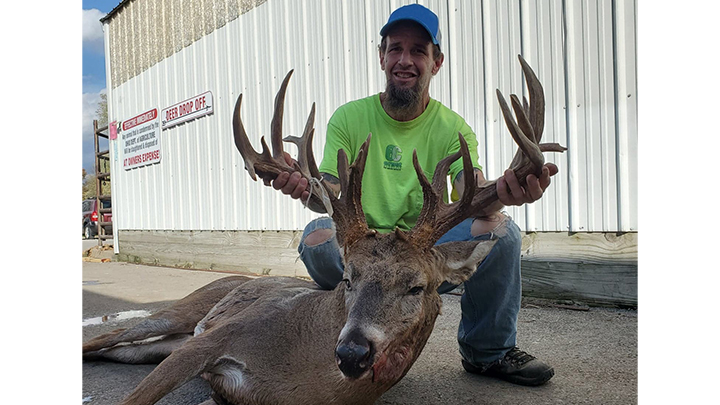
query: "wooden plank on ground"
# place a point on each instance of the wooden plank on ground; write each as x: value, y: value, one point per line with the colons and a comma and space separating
x: 268, y: 252
x: 591, y: 268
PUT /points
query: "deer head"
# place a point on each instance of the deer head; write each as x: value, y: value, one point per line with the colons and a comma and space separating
x: 389, y: 291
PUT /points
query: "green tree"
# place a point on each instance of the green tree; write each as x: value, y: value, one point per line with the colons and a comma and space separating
x: 89, y: 180
x: 85, y: 190
x: 88, y: 189
x: 89, y: 183
x: 102, y: 110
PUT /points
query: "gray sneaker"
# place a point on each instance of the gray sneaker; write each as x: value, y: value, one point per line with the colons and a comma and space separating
x: 517, y: 367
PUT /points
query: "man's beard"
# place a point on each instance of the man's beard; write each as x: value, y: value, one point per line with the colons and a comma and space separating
x: 403, y: 100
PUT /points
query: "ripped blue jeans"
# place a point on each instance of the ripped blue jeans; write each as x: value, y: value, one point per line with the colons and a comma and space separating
x: 490, y: 303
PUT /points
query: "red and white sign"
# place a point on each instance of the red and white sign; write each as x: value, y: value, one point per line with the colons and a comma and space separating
x: 141, y: 140
x: 187, y: 110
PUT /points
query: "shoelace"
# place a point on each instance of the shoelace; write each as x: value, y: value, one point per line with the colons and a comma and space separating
x: 518, y: 356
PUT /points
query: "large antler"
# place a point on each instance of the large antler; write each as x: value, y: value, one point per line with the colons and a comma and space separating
x: 268, y: 166
x: 438, y: 217
x: 346, y: 211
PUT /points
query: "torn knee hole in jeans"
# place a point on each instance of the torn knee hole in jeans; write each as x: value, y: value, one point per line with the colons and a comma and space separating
x: 318, y: 237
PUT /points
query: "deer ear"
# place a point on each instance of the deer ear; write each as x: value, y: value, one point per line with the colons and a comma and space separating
x: 462, y: 258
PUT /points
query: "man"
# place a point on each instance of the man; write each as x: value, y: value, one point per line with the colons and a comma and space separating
x: 403, y: 118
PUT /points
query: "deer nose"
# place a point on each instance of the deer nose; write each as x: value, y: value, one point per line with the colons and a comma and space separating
x: 354, y: 355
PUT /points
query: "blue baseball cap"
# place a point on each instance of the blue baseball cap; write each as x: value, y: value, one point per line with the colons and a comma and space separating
x: 418, y: 14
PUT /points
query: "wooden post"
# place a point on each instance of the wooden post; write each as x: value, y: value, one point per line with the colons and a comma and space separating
x: 97, y: 182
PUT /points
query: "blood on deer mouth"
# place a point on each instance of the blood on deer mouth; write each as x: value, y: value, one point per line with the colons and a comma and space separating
x: 391, y: 364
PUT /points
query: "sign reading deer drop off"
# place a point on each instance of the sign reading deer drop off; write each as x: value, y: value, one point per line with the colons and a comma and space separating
x: 187, y: 110
x: 141, y: 140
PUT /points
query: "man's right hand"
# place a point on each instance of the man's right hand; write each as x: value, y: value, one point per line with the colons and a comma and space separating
x: 292, y: 184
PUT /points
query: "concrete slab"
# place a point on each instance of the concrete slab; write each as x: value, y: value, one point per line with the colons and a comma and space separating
x: 593, y: 350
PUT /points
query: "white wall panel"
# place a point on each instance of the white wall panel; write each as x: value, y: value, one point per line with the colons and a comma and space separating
x: 582, y: 50
x: 626, y: 100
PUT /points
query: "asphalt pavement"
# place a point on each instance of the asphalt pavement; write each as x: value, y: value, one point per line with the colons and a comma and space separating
x: 594, y: 350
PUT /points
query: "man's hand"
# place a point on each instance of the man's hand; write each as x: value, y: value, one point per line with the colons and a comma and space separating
x: 292, y: 184
x: 511, y: 193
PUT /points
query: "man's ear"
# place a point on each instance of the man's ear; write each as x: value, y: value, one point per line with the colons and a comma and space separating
x: 382, y: 59
x: 462, y: 259
x: 438, y: 63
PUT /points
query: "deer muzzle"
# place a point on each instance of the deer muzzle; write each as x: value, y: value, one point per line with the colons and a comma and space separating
x: 354, y: 354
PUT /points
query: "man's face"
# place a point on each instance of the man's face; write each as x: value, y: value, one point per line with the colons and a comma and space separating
x: 409, y: 64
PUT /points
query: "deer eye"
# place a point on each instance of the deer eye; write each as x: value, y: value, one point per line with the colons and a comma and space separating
x: 348, y: 287
x: 415, y: 290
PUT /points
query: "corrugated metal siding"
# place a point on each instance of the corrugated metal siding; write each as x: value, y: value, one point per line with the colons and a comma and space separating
x: 583, y: 52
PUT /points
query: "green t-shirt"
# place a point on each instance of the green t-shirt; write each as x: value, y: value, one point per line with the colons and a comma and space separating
x: 391, y: 192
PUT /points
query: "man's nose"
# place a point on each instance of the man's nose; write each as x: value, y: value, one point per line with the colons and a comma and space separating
x: 405, y: 59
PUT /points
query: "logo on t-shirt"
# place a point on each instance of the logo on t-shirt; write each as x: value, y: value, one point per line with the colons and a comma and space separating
x: 393, y: 154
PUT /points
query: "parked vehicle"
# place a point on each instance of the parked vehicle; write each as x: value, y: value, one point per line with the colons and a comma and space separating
x: 91, y: 213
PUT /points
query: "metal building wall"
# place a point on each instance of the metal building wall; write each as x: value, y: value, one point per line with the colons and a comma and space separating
x: 582, y: 50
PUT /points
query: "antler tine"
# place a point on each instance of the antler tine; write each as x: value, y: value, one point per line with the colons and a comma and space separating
x: 552, y: 147
x: 529, y: 148
x: 522, y: 119
x: 536, y: 109
x: 432, y: 200
x: 436, y: 216
x: 306, y: 159
x: 242, y: 143
x: 276, y: 125
x: 348, y: 214
x: 537, y: 99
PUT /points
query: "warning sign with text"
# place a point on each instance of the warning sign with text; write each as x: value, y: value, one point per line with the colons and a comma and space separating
x: 141, y: 140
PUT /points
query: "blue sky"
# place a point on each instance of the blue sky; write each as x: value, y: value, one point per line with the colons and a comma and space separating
x: 93, y: 71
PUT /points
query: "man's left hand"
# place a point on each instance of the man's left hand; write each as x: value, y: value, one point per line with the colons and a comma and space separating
x: 511, y: 193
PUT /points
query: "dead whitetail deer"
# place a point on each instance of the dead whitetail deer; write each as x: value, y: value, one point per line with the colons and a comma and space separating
x: 278, y: 340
